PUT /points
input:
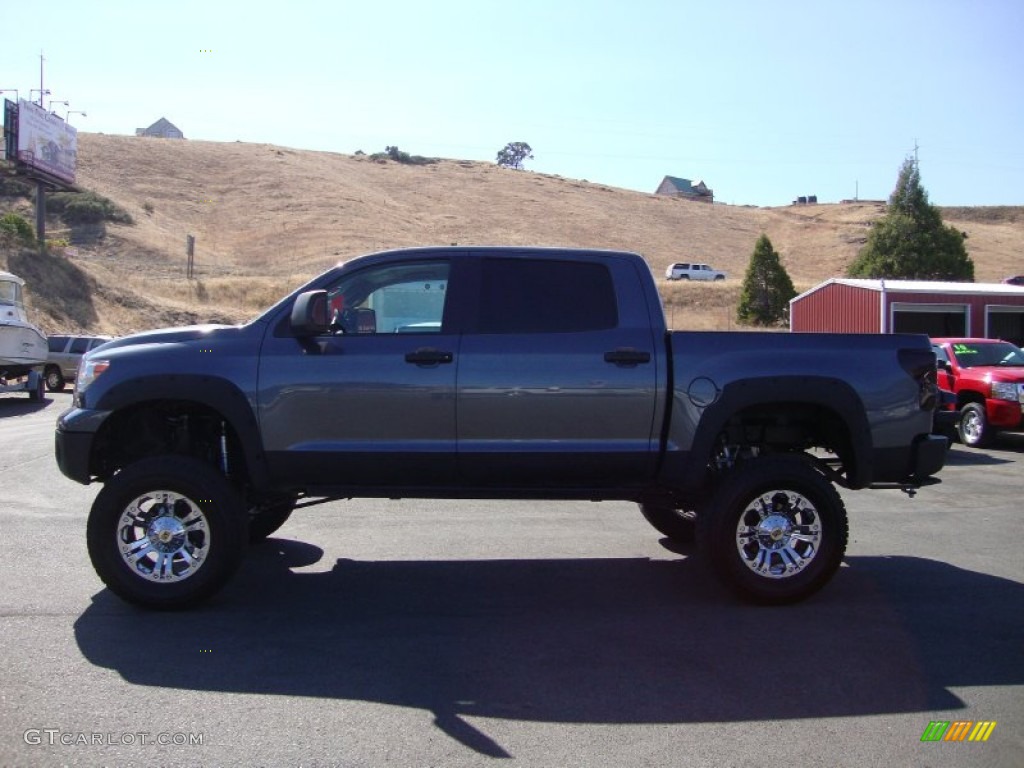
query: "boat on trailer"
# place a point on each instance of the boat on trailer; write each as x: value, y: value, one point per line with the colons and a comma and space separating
x: 23, y: 347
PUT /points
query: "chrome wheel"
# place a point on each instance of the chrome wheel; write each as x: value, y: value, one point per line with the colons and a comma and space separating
x: 778, y: 534
x: 972, y: 426
x: 975, y: 431
x: 167, y: 532
x: 163, y: 536
x: 775, y: 530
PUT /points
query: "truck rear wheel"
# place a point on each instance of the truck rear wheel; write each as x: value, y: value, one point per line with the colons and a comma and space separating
x: 266, y: 518
x: 775, y: 531
x: 677, y: 524
x: 166, y: 532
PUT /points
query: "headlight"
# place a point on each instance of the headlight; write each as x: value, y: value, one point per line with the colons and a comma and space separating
x: 1004, y: 390
x: 88, y: 372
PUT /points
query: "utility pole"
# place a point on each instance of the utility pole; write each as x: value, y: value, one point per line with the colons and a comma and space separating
x: 40, y: 187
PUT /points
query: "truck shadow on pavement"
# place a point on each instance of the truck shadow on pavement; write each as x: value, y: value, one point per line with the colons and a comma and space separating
x: 18, y: 404
x: 597, y: 641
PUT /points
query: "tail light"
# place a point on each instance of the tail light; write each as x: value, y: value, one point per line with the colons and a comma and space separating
x: 920, y: 364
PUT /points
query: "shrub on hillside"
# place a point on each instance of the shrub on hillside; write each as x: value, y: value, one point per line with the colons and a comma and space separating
x: 14, y: 230
x: 394, y: 153
x: 86, y: 208
x: 10, y: 187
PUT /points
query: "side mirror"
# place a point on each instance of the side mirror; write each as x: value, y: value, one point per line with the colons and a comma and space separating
x: 309, y: 314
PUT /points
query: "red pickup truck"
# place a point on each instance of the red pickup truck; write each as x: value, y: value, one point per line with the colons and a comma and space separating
x: 987, y: 377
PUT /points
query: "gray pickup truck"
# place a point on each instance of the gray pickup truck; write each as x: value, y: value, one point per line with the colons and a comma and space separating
x: 469, y: 372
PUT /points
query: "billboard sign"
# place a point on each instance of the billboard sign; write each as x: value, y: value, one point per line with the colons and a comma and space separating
x: 46, y: 144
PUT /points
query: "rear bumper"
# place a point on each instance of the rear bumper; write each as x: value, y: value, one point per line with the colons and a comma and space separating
x: 911, y: 465
x: 929, y: 456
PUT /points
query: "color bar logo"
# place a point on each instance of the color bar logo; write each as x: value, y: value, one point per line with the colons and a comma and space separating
x: 958, y: 730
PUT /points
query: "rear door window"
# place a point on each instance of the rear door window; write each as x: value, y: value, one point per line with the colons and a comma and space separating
x: 546, y: 296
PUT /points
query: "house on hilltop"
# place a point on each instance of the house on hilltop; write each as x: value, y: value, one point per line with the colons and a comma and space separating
x: 686, y: 189
x: 162, y: 128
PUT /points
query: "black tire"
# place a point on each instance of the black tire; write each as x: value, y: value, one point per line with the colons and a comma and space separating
x: 54, y: 379
x: 974, y: 428
x: 37, y: 393
x: 206, y: 523
x: 676, y: 524
x: 266, y: 518
x: 806, y: 523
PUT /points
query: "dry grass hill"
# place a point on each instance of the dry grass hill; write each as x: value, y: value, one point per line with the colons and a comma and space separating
x: 266, y: 218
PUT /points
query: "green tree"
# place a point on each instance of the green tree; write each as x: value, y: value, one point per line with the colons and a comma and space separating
x: 767, y: 289
x: 514, y: 153
x: 911, y: 242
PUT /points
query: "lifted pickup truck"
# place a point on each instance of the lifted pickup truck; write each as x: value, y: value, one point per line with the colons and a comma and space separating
x: 490, y: 373
x: 987, y: 378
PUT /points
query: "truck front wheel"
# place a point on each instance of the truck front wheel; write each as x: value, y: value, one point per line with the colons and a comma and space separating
x: 974, y: 428
x: 775, y: 531
x: 166, y: 532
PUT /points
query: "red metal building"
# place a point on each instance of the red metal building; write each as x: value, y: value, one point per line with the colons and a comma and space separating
x: 991, y: 310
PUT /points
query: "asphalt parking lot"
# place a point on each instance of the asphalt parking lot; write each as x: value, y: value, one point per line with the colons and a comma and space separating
x: 413, y: 633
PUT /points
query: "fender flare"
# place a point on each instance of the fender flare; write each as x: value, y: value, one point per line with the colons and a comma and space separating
x: 213, y: 392
x: 824, y: 392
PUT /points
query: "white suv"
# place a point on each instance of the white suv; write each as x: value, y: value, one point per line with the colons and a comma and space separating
x: 687, y: 271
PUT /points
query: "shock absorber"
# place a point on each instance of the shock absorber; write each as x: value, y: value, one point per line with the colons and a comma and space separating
x: 224, y: 449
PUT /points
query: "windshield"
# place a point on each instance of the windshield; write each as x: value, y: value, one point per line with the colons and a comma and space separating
x: 10, y: 292
x: 1000, y: 353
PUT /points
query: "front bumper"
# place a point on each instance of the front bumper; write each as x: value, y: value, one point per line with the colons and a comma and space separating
x: 73, y: 441
x: 1005, y: 414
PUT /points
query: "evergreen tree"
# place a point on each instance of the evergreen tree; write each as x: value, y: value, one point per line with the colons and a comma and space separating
x: 910, y: 241
x: 767, y: 289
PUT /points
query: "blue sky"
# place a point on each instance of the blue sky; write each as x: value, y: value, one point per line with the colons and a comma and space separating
x: 764, y: 101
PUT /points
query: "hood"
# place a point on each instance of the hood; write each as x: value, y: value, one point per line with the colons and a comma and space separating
x: 1013, y: 374
x: 169, y: 336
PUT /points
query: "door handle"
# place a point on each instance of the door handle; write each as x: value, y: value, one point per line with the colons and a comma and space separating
x: 427, y: 356
x: 627, y: 357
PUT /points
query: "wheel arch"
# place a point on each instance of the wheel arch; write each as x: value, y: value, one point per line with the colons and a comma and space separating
x: 792, y: 413
x: 133, y: 406
x: 965, y: 396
